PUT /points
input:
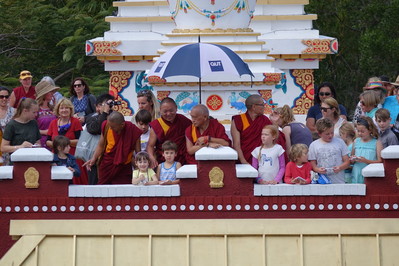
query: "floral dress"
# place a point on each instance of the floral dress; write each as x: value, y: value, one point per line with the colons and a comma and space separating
x: 5, y: 157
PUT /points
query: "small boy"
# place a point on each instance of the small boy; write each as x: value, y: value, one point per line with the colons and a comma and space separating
x: 329, y: 155
x: 166, y: 171
x: 143, y: 119
x: 386, y: 136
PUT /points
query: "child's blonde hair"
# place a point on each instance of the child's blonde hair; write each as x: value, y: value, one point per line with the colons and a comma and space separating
x: 297, y: 150
x: 323, y: 124
x: 286, y: 114
x: 348, y: 129
x: 274, y: 131
x: 369, y: 124
x: 24, y: 103
x: 370, y: 98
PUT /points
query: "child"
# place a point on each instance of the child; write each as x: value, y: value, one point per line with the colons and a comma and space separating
x: 143, y: 119
x: 383, y: 119
x: 348, y: 134
x: 329, y: 155
x: 269, y: 158
x: 143, y: 175
x: 166, y: 171
x: 61, y: 146
x: 366, y: 148
x: 298, y: 170
x: 369, y: 101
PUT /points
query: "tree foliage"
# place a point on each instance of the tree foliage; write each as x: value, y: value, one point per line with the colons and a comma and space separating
x: 368, y: 38
x: 48, y: 37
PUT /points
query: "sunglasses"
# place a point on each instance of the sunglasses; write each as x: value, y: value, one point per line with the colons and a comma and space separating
x: 4, y: 96
x: 77, y: 85
x: 324, y: 93
x: 325, y: 109
x: 142, y: 93
x: 25, y: 74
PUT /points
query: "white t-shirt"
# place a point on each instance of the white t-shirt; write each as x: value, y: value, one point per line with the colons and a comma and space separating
x: 329, y: 155
x: 144, y: 140
x: 269, y: 164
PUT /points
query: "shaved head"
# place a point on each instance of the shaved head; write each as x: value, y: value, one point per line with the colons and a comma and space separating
x: 201, y: 109
x: 168, y: 100
x: 253, y: 99
x: 116, y: 117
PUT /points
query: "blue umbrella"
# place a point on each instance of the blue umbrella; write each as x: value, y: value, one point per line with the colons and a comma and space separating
x: 199, y: 60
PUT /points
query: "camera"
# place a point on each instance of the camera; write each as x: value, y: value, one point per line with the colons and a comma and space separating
x: 112, y: 103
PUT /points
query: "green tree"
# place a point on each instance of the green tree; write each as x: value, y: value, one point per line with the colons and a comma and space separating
x: 368, y: 43
x: 48, y: 38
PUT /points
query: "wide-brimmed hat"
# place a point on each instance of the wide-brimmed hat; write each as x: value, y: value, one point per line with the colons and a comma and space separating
x: 44, y: 87
x: 373, y: 84
x: 396, y: 83
x: 25, y: 74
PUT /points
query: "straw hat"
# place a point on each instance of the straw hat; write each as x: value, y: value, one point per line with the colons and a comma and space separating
x: 44, y: 87
x: 25, y: 74
x: 396, y: 83
x: 373, y: 84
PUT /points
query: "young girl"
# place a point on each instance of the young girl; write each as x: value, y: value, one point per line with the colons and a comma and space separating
x: 166, y: 171
x: 62, y: 145
x: 22, y: 131
x: 366, y: 148
x: 269, y: 158
x: 348, y: 134
x: 298, y: 170
x: 144, y: 175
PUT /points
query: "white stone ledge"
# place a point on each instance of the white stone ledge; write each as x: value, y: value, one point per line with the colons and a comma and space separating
x: 116, y: 191
x: 310, y: 190
x: 374, y: 170
x: 32, y: 155
x: 187, y: 171
x: 246, y: 171
x: 60, y: 173
x: 390, y: 152
x: 6, y: 172
x: 222, y: 153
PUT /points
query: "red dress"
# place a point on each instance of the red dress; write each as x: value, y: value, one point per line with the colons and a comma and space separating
x: 70, y: 134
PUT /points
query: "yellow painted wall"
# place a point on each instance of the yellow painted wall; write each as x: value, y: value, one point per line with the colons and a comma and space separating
x: 205, y: 242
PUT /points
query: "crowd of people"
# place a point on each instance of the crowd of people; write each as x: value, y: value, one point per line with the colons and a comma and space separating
x: 149, y: 149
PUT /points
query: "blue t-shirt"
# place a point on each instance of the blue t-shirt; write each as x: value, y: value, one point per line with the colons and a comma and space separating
x: 392, y: 104
x: 315, y: 112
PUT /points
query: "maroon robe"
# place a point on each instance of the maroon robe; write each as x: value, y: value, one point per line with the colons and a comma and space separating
x: 115, y: 166
x: 173, y: 131
x: 214, y: 130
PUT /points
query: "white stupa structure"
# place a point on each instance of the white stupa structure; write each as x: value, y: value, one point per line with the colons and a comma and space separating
x: 274, y: 37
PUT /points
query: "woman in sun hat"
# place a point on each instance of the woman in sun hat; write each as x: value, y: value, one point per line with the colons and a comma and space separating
x: 376, y: 85
x: 44, y: 95
x: 26, y: 90
x: 392, y: 102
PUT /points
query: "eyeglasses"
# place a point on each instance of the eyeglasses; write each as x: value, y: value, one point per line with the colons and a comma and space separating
x: 4, y: 96
x: 259, y: 104
x: 324, y: 93
x: 77, y: 85
x: 325, y: 109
